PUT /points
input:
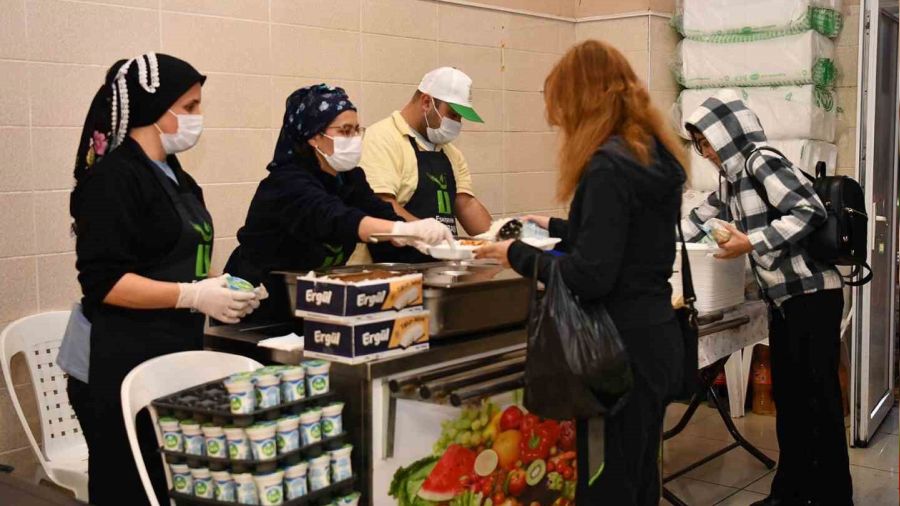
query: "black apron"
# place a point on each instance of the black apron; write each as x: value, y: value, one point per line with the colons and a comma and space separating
x: 123, y: 338
x: 434, y: 198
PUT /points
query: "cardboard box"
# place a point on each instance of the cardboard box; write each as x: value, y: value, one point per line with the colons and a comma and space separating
x: 342, y: 298
x: 363, y: 339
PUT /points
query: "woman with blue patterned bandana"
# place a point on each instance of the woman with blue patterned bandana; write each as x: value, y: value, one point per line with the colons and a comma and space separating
x: 315, y: 205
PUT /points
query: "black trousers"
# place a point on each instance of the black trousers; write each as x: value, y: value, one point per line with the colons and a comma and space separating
x: 805, y: 340
x: 631, y: 468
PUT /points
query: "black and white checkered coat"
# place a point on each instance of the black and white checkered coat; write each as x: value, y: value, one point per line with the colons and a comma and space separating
x: 784, y: 268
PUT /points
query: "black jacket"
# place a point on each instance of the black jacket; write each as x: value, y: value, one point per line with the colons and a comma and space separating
x: 620, y: 236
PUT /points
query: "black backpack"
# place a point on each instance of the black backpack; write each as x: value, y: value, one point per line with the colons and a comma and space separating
x: 843, y: 238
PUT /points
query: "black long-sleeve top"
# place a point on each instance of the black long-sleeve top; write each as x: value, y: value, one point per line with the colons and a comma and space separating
x: 620, y: 236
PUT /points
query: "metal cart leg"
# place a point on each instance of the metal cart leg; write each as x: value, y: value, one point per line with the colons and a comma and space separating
x: 672, y: 498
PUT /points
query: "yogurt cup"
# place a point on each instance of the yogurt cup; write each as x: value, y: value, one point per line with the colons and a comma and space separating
x: 295, y: 480
x: 171, y: 434
x: 262, y: 441
x: 270, y: 487
x: 319, y: 477
x: 287, y: 437
x: 203, y: 486
x: 238, y: 443
x: 317, y: 382
x: 268, y: 391
x: 332, y: 422
x: 193, y: 437
x: 310, y: 426
x: 239, y: 284
x: 245, y: 488
x: 293, y: 385
x: 341, y: 469
x: 241, y: 395
x: 223, y: 486
x: 215, y: 442
x: 349, y: 500
x: 182, y: 481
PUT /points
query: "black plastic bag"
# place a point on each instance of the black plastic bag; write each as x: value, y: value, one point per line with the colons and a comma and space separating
x: 576, y: 366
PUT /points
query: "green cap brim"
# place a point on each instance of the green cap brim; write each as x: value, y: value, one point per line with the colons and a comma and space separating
x: 467, y: 113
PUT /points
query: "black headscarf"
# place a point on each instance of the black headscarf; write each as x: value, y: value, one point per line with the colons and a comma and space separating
x: 308, y: 111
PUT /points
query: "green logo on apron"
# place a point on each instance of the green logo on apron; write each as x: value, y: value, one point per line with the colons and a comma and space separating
x: 204, y: 249
x: 336, y: 256
x: 443, y: 196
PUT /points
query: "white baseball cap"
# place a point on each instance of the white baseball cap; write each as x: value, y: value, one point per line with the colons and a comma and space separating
x: 453, y: 86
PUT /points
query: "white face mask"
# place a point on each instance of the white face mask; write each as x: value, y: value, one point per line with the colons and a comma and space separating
x: 190, y: 126
x: 347, y: 152
x: 446, y: 133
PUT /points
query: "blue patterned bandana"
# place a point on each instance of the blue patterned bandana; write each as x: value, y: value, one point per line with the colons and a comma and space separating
x: 308, y: 112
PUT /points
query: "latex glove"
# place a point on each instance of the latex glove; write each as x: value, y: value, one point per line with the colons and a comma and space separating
x: 430, y: 231
x: 213, y: 298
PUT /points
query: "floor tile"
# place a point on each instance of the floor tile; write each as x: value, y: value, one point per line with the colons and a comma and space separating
x: 758, y: 429
x: 683, y: 450
x: 882, y: 453
x: 873, y: 487
x: 742, y: 498
x: 891, y: 424
x: 736, y: 468
x: 675, y: 410
x: 762, y: 485
x: 698, y: 493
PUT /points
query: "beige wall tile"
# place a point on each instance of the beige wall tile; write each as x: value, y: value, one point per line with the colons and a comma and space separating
x: 639, y: 61
x: 532, y: 33
x: 526, y: 71
x: 661, y: 77
x: 245, y: 9
x: 222, y: 249
x: 379, y: 100
x: 12, y: 436
x: 340, y: 14
x: 52, y: 156
x: 482, y: 64
x: 489, y: 105
x: 629, y: 34
x: 228, y: 204
x: 52, y: 222
x: 13, y: 37
x: 530, y: 152
x: 217, y: 44
x: 389, y: 59
x: 849, y: 35
x: 230, y: 156
x: 471, y: 25
x: 483, y: 151
x: 135, y: 31
x: 552, y: 7
x: 566, y: 37
x: 847, y: 106
x: 282, y: 87
x: 662, y: 36
x: 58, y: 286
x: 17, y: 226
x: 315, y: 52
x: 585, y: 8
x: 529, y: 191
x: 847, y: 60
x: 664, y: 100
x: 665, y: 6
x: 489, y: 190
x: 55, y: 105
x: 407, y: 18
x: 18, y: 286
x: 16, y: 172
x: 231, y: 100
x: 13, y: 93
x: 524, y: 112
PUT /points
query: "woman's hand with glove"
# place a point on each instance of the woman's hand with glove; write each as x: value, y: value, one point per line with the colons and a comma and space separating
x: 213, y: 298
x: 430, y: 231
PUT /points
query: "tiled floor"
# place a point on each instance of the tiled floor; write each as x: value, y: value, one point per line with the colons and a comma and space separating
x: 737, y: 479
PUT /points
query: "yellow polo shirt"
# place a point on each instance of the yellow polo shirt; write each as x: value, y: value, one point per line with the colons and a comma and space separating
x: 390, y: 163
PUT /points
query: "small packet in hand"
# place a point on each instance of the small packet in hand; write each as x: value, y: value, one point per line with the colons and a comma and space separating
x: 717, y: 230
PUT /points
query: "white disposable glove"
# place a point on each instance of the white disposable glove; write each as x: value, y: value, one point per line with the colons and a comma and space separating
x: 429, y: 230
x: 213, y: 298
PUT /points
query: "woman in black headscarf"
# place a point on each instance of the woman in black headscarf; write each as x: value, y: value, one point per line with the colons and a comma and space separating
x: 144, y: 240
x: 315, y: 204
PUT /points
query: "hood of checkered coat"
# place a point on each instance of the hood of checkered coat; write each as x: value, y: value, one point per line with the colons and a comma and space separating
x: 731, y: 128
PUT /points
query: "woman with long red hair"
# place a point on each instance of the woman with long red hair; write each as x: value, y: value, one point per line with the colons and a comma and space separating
x: 621, y: 168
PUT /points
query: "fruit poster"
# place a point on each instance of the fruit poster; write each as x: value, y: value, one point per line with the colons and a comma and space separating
x: 492, y: 455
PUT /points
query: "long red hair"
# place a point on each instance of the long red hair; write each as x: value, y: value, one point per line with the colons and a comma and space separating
x: 592, y: 94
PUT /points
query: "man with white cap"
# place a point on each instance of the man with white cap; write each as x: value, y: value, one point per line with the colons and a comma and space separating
x: 410, y: 161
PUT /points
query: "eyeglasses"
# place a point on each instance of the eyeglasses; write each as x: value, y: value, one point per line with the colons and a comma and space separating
x: 700, y: 143
x: 348, y: 130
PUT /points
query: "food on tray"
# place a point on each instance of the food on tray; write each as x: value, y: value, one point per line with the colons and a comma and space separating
x: 512, y: 229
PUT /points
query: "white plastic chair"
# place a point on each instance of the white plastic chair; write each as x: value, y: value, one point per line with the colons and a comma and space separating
x: 63, y: 457
x: 166, y: 375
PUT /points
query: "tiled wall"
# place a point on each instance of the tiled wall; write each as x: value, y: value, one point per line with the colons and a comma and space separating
x: 54, y: 53
x: 847, y: 59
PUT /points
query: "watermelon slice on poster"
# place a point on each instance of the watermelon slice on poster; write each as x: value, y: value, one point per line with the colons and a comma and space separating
x: 445, y: 481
